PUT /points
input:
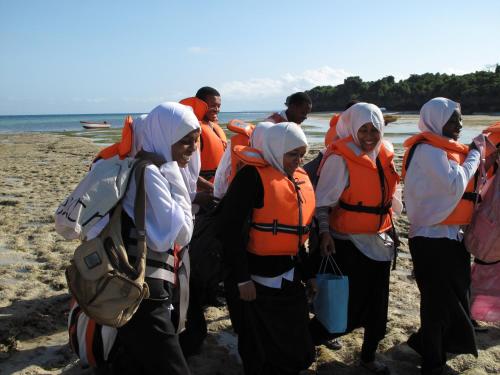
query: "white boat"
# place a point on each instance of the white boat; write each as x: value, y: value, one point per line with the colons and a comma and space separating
x: 95, y: 125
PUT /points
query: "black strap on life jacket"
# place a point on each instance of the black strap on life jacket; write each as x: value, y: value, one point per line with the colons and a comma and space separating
x: 208, y: 174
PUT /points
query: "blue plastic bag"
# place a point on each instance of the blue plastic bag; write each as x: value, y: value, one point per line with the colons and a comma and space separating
x: 331, y: 302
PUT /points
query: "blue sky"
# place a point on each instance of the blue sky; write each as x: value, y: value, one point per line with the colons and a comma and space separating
x: 103, y: 56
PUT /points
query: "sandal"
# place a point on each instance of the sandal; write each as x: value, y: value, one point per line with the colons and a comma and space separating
x: 376, y: 367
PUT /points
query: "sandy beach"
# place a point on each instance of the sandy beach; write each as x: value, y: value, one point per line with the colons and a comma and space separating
x: 37, y: 172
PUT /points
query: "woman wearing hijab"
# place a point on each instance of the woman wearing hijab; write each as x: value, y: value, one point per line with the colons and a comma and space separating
x: 353, y: 206
x: 149, y: 342
x: 265, y: 220
x: 438, y: 173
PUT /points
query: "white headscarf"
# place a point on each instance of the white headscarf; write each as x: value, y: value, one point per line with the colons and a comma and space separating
x: 435, y: 114
x: 258, y: 134
x: 137, y: 126
x: 168, y: 120
x: 355, y: 117
x: 165, y: 125
x: 279, y: 139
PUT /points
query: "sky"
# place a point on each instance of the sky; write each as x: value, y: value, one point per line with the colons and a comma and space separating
x: 116, y: 56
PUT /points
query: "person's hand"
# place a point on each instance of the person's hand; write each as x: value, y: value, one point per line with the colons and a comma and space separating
x: 311, y: 289
x: 473, y: 146
x: 326, y: 244
x: 247, y: 291
x: 204, y: 185
x: 205, y: 199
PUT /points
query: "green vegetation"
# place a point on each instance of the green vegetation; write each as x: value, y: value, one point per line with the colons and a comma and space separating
x: 477, y: 92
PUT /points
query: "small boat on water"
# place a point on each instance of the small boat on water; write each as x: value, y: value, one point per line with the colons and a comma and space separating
x: 390, y: 118
x: 95, y: 125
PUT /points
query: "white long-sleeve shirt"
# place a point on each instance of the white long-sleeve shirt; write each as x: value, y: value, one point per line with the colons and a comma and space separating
x: 168, y: 207
x: 221, y: 181
x: 434, y: 186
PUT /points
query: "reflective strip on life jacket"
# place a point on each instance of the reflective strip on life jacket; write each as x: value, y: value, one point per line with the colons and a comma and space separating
x: 282, y: 225
x: 462, y: 213
x: 365, y: 205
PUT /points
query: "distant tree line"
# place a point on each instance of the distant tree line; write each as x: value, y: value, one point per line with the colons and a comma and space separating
x: 477, y: 92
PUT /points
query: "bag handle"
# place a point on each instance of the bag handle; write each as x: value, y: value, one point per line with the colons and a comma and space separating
x: 329, y: 260
x: 140, y: 211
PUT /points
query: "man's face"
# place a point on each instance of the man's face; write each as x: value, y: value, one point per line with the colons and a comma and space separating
x: 452, y: 128
x: 213, y: 103
x: 298, y: 112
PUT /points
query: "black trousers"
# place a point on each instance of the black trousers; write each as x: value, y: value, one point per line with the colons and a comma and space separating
x: 149, y: 343
x: 442, y: 272
x: 368, y: 298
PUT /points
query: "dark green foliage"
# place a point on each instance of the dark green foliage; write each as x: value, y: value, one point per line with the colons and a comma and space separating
x: 477, y: 92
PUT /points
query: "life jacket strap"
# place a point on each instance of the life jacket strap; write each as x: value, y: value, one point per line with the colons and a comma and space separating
x: 275, y: 227
x: 376, y: 210
x: 472, y: 196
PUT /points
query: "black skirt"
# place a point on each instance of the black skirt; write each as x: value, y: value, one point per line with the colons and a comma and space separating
x: 273, y: 335
x: 442, y: 270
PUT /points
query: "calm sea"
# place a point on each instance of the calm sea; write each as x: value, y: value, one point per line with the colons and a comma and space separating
x: 315, y: 126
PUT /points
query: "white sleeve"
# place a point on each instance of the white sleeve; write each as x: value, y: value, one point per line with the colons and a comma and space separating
x: 449, y: 175
x: 222, y: 173
x: 333, y: 180
x: 168, y: 208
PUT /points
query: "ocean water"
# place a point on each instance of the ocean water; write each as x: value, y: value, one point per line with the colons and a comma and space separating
x: 315, y: 126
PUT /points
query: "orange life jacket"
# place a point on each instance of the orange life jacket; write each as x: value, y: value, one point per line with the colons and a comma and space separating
x: 276, y: 118
x: 493, y: 133
x: 365, y: 205
x: 121, y: 148
x: 455, y: 151
x: 213, y: 144
x: 282, y: 225
x: 331, y: 134
x: 200, y: 108
x: 243, y: 131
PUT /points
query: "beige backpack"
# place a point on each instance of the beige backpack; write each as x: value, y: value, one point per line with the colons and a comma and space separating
x: 107, y: 287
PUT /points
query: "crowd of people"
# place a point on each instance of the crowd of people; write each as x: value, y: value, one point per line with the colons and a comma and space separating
x: 267, y: 207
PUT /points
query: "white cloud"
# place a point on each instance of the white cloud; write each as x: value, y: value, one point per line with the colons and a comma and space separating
x: 197, y: 50
x: 268, y: 87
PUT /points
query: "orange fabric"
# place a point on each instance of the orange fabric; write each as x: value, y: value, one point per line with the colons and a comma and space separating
x: 331, y: 134
x: 280, y: 209
x: 276, y: 118
x: 214, y: 143
x: 493, y: 133
x: 89, y: 341
x: 200, y: 108
x: 457, y: 152
x: 364, y: 189
x: 121, y: 148
x: 243, y: 132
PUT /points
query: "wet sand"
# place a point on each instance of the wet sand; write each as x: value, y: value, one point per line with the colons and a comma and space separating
x: 37, y: 172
